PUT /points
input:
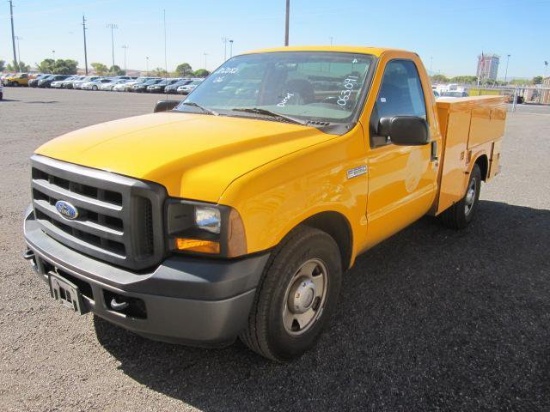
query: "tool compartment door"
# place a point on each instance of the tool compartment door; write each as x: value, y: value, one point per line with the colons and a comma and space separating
x: 469, y: 126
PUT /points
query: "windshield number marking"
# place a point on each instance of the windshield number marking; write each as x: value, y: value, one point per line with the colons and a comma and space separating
x: 349, y: 84
x: 228, y: 70
x: 285, y: 100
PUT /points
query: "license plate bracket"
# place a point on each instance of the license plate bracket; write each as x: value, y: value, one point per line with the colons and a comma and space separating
x: 66, y: 293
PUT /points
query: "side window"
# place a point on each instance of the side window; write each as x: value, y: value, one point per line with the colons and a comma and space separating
x: 400, y: 94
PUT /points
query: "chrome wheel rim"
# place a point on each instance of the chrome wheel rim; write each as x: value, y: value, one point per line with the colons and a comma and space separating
x: 470, y: 197
x: 305, y: 297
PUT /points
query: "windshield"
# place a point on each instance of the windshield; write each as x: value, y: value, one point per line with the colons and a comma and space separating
x: 305, y: 86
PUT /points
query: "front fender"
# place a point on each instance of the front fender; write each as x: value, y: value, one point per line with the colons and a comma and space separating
x: 277, y: 197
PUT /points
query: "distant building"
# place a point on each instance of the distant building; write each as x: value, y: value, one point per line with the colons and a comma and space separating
x: 487, y: 67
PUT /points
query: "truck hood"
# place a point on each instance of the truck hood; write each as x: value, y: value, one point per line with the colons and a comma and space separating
x: 194, y: 156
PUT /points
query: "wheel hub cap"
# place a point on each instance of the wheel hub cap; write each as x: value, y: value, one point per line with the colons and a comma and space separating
x: 302, y: 296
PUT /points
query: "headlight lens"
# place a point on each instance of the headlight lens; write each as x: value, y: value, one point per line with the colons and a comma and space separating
x: 200, y: 228
x: 208, y: 218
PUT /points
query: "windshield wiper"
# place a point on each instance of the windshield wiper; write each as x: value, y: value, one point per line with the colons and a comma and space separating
x: 204, y: 109
x: 264, y: 112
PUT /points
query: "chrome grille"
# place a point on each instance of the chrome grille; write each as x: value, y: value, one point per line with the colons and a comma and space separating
x: 119, y: 218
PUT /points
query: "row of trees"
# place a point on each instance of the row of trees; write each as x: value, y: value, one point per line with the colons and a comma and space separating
x: 68, y: 66
x: 14, y: 67
x: 472, y: 80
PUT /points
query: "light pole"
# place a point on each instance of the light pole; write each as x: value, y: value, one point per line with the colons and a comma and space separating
x: 125, y: 47
x: 225, y: 40
x: 85, y: 51
x: 287, y: 21
x: 13, y: 37
x: 112, y: 26
x: 165, y: 49
x: 205, y: 55
x: 147, y: 66
x: 230, y: 48
x: 53, y: 54
x: 506, y: 71
x: 18, y: 50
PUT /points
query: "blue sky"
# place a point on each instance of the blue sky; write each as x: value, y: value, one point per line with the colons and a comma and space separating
x: 448, y: 35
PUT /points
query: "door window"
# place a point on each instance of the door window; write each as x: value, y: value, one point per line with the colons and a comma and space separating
x: 400, y: 94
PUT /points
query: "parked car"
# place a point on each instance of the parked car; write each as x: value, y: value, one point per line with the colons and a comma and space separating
x: 140, y: 80
x: 454, y: 94
x: 188, y: 88
x: 69, y: 83
x: 78, y: 84
x: 4, y: 76
x: 173, y: 88
x: 58, y: 84
x: 142, y: 87
x: 94, y: 84
x: 34, y: 81
x: 122, y: 77
x: 122, y: 87
x: 1, y: 91
x: 20, y: 79
x: 43, y: 78
x: 160, y: 86
x: 108, y: 86
x: 47, y: 81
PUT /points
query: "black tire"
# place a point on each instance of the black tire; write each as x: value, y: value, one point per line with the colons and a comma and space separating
x: 306, y: 266
x: 459, y: 215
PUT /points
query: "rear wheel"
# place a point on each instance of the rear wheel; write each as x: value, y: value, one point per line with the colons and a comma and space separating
x: 459, y: 215
x: 296, y: 296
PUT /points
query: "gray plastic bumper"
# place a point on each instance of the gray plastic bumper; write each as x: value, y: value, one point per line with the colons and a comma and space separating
x: 184, y: 300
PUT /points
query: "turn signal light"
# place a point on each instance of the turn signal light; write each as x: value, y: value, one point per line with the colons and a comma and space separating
x: 197, y: 245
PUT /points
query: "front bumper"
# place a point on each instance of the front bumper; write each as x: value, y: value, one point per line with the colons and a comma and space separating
x: 204, y: 302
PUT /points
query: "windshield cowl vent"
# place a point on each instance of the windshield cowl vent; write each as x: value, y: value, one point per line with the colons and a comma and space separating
x: 317, y: 123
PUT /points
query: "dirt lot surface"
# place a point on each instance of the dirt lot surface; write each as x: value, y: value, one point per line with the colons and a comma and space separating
x: 431, y: 319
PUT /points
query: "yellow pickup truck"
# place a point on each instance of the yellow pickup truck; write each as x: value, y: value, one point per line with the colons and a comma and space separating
x: 234, y: 212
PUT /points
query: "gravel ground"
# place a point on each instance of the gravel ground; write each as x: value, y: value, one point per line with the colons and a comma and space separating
x: 431, y: 319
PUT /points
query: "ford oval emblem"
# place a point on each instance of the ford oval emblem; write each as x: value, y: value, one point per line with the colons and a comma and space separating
x: 66, y: 210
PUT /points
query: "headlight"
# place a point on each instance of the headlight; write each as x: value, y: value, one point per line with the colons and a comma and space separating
x: 201, y: 228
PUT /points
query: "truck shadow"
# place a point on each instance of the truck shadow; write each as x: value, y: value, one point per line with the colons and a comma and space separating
x: 429, y: 319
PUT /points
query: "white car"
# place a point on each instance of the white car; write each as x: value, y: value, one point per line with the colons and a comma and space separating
x: 188, y: 88
x: 109, y: 86
x: 78, y: 84
x: 59, y: 84
x: 124, y: 86
x: 94, y: 85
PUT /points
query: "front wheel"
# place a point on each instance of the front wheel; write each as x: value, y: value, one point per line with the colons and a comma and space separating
x: 296, y: 296
x: 459, y: 215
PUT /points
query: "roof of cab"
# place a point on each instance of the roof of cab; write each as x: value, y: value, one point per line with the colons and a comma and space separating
x: 375, y: 51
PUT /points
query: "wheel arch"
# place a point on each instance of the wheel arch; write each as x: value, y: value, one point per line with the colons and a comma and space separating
x: 338, y: 227
x: 483, y: 162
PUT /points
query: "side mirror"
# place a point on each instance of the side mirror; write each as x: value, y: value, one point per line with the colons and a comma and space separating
x: 405, y: 130
x: 165, y: 105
